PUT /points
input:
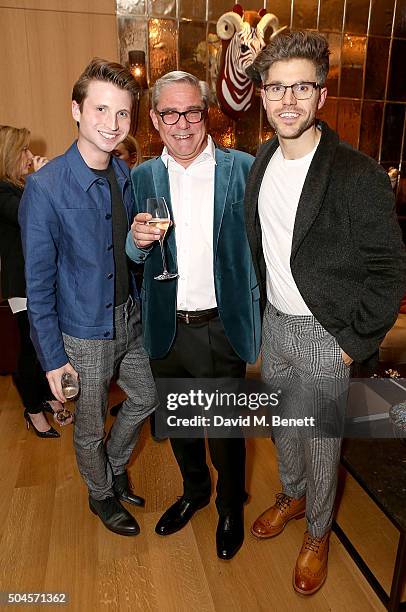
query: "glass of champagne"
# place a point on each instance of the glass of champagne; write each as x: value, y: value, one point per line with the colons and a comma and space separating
x: 70, y: 389
x: 158, y: 209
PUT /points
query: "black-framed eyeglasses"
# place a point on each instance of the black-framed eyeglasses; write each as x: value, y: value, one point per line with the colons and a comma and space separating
x: 301, y: 91
x: 194, y: 115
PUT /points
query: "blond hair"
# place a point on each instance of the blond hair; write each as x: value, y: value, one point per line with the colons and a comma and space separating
x: 12, y: 143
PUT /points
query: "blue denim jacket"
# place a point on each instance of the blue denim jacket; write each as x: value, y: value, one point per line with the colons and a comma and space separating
x: 66, y: 222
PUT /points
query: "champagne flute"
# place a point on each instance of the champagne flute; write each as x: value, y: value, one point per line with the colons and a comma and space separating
x: 158, y: 209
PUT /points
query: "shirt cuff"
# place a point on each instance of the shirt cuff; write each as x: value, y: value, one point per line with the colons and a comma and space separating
x: 136, y: 253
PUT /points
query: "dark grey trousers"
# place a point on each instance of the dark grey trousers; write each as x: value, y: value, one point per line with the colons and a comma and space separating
x: 306, y: 362
x: 97, y: 361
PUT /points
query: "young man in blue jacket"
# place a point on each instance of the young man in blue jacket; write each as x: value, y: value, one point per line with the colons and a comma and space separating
x: 82, y: 302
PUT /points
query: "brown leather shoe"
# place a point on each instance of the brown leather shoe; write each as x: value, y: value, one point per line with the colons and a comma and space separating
x: 311, y: 566
x: 273, y: 521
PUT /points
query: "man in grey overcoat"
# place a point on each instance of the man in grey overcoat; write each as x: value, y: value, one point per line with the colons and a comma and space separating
x: 330, y: 263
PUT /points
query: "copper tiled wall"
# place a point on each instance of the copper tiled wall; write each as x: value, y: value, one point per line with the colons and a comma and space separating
x: 367, y: 81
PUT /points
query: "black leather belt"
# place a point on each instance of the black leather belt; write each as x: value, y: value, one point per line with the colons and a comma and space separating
x: 197, y: 316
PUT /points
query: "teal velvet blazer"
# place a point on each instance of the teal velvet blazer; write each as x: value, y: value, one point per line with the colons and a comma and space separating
x: 237, y: 290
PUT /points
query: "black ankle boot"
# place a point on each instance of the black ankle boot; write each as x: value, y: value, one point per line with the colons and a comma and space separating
x: 122, y: 489
x: 114, y: 516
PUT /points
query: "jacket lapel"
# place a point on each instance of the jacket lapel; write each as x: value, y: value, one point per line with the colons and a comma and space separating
x: 222, y: 174
x: 253, y: 225
x: 160, y: 177
x: 315, y: 186
x: 255, y: 179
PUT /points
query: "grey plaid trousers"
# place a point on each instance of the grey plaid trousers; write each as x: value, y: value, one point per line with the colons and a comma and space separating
x: 306, y: 361
x: 97, y: 361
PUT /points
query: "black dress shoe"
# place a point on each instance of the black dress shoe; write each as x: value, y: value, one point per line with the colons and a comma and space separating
x: 178, y: 515
x: 122, y: 489
x: 229, y: 535
x: 114, y: 516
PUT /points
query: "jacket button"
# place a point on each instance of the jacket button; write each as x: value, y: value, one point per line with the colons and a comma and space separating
x: 108, y: 216
x: 106, y: 334
x: 109, y: 305
x: 109, y: 247
x: 110, y: 275
x: 142, y: 256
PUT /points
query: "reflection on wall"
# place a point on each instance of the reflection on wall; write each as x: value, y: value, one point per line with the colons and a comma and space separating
x: 367, y: 80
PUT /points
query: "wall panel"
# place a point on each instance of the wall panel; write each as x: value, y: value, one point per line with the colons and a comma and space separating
x: 42, y: 52
x: 57, y: 62
x: 367, y: 67
x: 73, y: 6
x: 15, y: 103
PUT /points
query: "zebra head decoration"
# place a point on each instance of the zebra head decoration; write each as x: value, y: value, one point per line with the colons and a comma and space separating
x: 242, y: 35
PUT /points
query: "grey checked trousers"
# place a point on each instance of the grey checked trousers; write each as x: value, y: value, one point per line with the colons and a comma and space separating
x: 97, y: 361
x: 299, y: 355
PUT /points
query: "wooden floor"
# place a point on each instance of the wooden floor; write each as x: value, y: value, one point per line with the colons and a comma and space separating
x: 51, y: 542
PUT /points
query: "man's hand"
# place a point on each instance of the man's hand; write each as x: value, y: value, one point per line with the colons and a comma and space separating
x: 143, y: 234
x: 346, y: 358
x: 38, y: 162
x: 54, y: 380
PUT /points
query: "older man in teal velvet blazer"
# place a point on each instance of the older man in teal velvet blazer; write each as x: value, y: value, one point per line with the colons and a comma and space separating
x: 237, y: 290
x: 206, y: 322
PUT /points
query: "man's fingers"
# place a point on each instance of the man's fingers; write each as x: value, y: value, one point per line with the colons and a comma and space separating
x: 141, y: 225
x: 38, y: 162
x: 141, y: 237
x: 346, y: 358
x: 56, y: 388
x: 69, y: 368
x: 145, y: 235
x: 54, y: 380
x: 142, y: 217
x: 147, y: 230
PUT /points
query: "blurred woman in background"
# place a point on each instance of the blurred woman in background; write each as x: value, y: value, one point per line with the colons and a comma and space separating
x: 16, y: 161
x: 129, y: 151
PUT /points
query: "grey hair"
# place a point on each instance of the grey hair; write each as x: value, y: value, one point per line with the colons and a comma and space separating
x: 294, y: 45
x: 178, y: 76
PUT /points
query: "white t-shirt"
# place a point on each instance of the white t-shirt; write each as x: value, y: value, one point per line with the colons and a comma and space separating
x: 277, y: 205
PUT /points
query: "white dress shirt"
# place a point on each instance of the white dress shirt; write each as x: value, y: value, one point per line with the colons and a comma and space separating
x: 192, y: 199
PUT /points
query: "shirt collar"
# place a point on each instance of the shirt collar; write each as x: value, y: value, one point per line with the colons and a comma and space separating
x: 85, y: 176
x: 208, y: 153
